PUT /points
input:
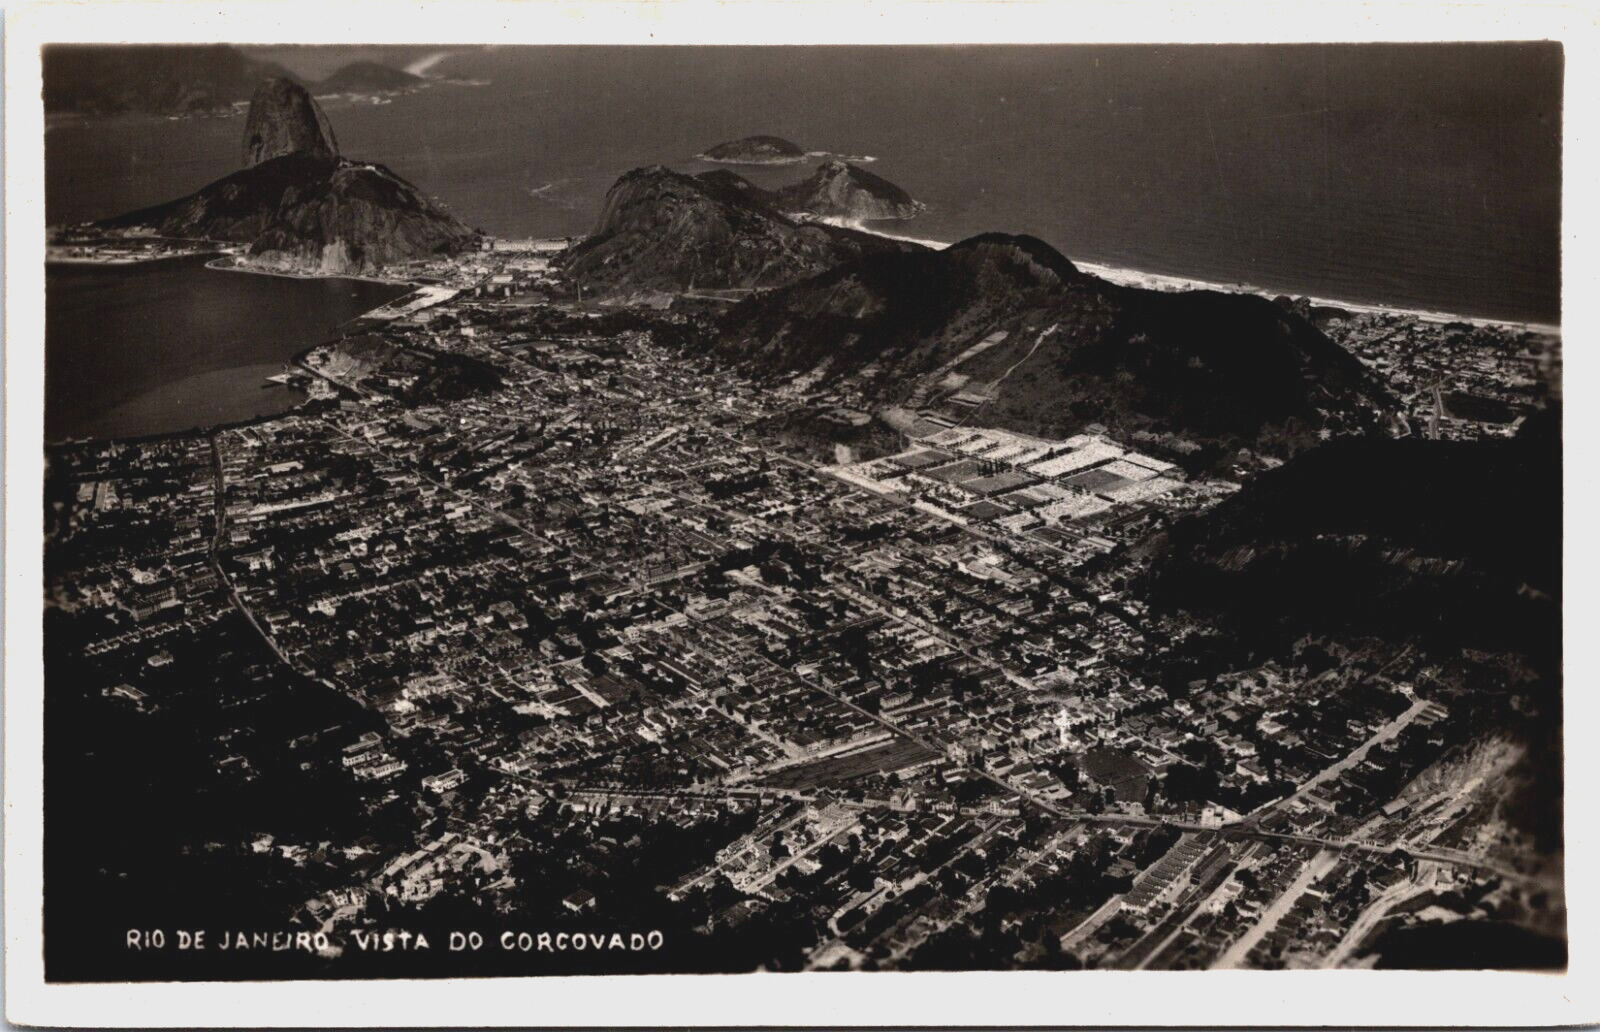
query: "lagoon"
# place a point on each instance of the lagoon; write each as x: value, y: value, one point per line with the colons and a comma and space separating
x: 170, y: 345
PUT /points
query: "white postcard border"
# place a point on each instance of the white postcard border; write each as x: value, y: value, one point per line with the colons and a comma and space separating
x: 824, y: 999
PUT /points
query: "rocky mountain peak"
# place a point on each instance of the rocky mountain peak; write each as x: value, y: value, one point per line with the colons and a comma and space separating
x: 840, y: 189
x: 1026, y: 258
x: 300, y: 207
x: 285, y: 119
x: 662, y: 230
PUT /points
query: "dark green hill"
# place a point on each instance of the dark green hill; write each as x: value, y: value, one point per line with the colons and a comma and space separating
x: 155, y: 79
x: 368, y: 77
x: 1201, y: 365
x: 1454, y: 544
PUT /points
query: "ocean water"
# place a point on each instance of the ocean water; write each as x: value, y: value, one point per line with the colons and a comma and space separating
x: 1418, y: 176
x: 169, y: 345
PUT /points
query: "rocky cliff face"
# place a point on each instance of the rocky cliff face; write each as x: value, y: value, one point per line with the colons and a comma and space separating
x: 358, y: 218
x: 660, y: 230
x: 300, y: 206
x: 842, y: 190
x: 285, y: 119
x: 310, y: 213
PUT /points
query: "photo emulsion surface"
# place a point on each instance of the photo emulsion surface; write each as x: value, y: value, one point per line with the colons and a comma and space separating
x: 593, y: 510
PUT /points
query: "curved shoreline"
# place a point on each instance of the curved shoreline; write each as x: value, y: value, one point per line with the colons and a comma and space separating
x: 1124, y: 276
x: 120, y: 263
x: 216, y: 265
x: 293, y: 363
x: 204, y: 430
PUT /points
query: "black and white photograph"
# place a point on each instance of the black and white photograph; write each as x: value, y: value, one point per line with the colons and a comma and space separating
x: 517, y: 509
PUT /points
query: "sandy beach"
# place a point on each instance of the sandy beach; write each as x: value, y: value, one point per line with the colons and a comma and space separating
x: 224, y: 265
x: 119, y: 259
x: 423, y: 66
x: 1127, y: 277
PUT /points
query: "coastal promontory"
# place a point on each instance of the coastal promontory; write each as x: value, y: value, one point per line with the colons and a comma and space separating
x: 663, y: 230
x: 839, y: 189
x: 369, y: 77
x: 299, y: 206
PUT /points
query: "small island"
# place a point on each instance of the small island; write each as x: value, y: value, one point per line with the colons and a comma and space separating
x: 755, y: 150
